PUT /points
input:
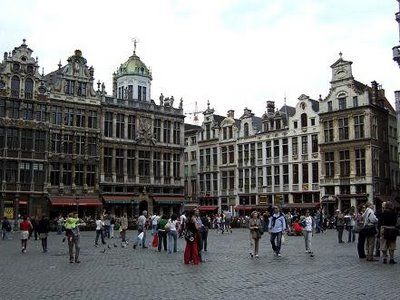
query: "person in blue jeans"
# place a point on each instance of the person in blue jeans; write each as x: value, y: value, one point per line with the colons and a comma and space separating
x: 277, y: 226
x: 172, y: 234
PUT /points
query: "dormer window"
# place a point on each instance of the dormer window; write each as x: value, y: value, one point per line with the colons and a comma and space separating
x: 304, y: 120
x: 15, y: 86
x: 246, y: 130
x: 278, y: 124
x: 329, y: 105
x: 69, y: 88
x: 82, y: 89
x: 28, y: 88
x: 342, y: 103
x: 30, y: 70
x: 295, y: 124
x: 16, y: 67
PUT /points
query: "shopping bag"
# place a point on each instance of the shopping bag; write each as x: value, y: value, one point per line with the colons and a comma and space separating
x: 283, y: 240
x: 141, y: 235
x: 155, y: 241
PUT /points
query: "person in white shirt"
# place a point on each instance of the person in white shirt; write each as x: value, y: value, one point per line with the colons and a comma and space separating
x: 172, y: 234
x: 182, y: 224
x: 154, y: 222
x: 99, y: 231
x: 277, y: 227
x: 370, y: 221
x: 308, y: 230
x: 142, y: 227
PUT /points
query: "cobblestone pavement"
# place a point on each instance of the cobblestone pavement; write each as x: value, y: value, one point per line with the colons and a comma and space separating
x: 228, y: 273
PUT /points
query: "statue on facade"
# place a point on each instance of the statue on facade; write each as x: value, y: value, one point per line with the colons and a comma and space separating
x: 161, y: 99
x: 181, y: 103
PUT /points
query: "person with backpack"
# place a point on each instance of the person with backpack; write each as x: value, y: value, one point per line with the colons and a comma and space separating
x: 277, y: 227
x: 43, y: 230
x: 5, y: 228
x: 162, y: 230
x: 308, y: 228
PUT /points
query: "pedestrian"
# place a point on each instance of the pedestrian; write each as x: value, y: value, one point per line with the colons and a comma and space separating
x: 43, y: 230
x: 265, y: 221
x: 33, y: 229
x: 107, y: 225
x: 72, y: 232
x: 228, y: 221
x: 60, y: 224
x: 277, y: 227
x: 162, y: 230
x: 172, y: 234
x: 182, y: 221
x: 339, y: 222
x: 308, y: 230
x: 123, y: 228
x: 206, y: 225
x: 141, y: 224
x: 25, y: 227
x: 112, y: 226
x: 360, y: 230
x: 389, y: 232
x: 5, y: 228
x: 154, y: 223
x: 191, y: 254
x: 99, y: 231
x: 370, y: 222
x: 255, y: 227
x: 199, y: 225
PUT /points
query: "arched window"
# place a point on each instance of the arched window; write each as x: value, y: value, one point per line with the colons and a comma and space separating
x: 15, y: 86
x: 304, y: 120
x: 246, y: 129
x: 28, y: 88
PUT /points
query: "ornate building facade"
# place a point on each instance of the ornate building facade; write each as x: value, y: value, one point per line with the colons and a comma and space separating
x: 65, y: 146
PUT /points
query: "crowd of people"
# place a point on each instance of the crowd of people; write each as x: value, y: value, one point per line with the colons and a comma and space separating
x: 376, y: 230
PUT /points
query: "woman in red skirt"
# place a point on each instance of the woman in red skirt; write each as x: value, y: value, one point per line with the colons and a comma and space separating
x: 191, y: 254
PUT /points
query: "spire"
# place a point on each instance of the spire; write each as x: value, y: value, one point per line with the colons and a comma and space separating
x: 340, y: 54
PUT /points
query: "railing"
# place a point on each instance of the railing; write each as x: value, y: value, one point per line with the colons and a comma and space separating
x: 285, y: 158
x: 268, y: 189
x: 144, y: 179
x: 295, y: 187
x: 315, y: 186
x: 276, y: 160
x: 304, y: 156
x: 167, y: 180
x: 285, y: 187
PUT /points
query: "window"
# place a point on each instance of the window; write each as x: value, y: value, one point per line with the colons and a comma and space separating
x: 303, y: 120
x: 67, y: 173
x: 252, y: 153
x: 80, y: 145
x: 260, y: 177
x: 2, y: 140
x: 342, y: 103
x: 40, y: 112
x: 141, y: 93
x: 176, y: 169
x: 224, y: 133
x: 268, y: 175
x: 12, y: 138
x: 361, y: 189
x: 314, y: 143
x: 68, y: 143
x: 312, y: 121
x: 201, y: 158
x: 177, y: 133
x: 108, y: 124
x: 329, y: 164
x: 359, y: 127
x: 355, y: 101
x: 69, y: 87
x: 329, y: 105
x: 305, y: 173
x: 80, y: 118
x: 344, y: 156
x: 374, y: 129
x: 360, y: 162
x: 15, y: 87
x: 167, y: 165
x: 90, y: 175
x: 208, y: 182
x: 268, y: 149
x: 193, y: 155
x: 285, y: 174
x: 157, y: 130
x: 132, y: 127
x: 224, y: 155
x: 215, y: 156
x: 304, y: 144
x: 108, y: 156
x: 328, y: 131
x: 230, y: 132
x: 131, y: 170
x: 253, y: 178
x: 2, y: 108
x: 13, y: 109
x: 26, y: 140
x: 38, y: 173
x: 130, y: 92
x: 167, y: 131
x: 11, y: 171
x: 315, y: 175
x: 276, y: 175
x: 92, y: 146
x: 56, y: 143
x: 69, y: 117
x: 295, y: 146
x: 285, y: 148
x: 92, y: 119
x: 27, y: 111
x: 78, y: 174
x: 224, y: 176
x: 25, y: 174
x: 28, y: 88
x: 208, y: 157
x: 40, y: 141
x: 246, y: 130
x: 278, y: 124
x: 276, y: 148
x: 119, y: 162
x: 259, y: 152
x: 295, y: 174
x: 120, y: 128
x: 82, y: 89
x: 295, y: 124
x: 56, y: 115
x: 345, y: 189
x: 157, y: 164
x: 343, y: 129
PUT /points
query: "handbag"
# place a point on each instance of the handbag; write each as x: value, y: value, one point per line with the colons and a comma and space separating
x: 369, y: 230
x: 189, y: 236
x: 390, y: 234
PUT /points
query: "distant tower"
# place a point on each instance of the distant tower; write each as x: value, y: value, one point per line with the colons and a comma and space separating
x: 396, y: 49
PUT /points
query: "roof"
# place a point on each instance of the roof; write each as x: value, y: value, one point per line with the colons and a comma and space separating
x: 340, y: 62
x: 314, y: 105
x: 289, y: 109
x: 133, y: 66
x: 257, y: 122
x: 218, y: 119
x: 192, y: 127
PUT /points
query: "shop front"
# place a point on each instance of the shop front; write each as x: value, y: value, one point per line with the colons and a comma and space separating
x: 208, y: 209
x: 86, y: 207
x: 168, y: 204
x: 118, y: 205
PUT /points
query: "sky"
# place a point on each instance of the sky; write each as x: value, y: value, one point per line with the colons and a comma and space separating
x: 234, y: 53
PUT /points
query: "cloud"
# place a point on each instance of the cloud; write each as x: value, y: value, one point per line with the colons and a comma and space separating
x: 234, y: 53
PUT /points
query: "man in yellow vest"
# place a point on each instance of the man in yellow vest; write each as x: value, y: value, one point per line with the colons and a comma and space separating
x: 71, y: 225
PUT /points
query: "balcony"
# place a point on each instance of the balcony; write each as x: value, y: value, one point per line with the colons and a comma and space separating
x: 277, y: 188
x: 144, y: 179
x: 276, y: 160
x: 315, y: 186
x: 295, y: 187
x: 285, y: 187
x: 304, y: 157
x: 268, y: 189
x: 285, y: 158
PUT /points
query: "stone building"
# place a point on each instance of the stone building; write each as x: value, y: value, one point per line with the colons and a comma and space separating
x: 354, y: 143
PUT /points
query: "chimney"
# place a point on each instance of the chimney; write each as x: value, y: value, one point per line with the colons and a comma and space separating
x: 270, y: 107
x: 5, y: 55
x: 374, y: 86
x: 231, y: 114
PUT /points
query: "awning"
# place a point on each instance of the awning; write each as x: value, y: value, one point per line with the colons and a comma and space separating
x: 170, y: 199
x: 190, y: 206
x: 328, y: 199
x: 244, y: 207
x: 349, y: 196
x: 72, y: 201
x: 301, y: 205
x: 207, y: 207
x: 119, y: 199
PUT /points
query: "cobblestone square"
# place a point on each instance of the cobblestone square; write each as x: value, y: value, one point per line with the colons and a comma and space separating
x: 228, y: 273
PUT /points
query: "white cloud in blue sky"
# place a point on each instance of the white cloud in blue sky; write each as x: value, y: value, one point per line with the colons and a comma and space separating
x: 236, y: 53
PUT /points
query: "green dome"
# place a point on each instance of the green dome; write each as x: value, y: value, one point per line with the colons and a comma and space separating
x: 133, y: 66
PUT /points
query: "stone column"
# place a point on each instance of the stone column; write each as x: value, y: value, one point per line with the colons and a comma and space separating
x: 114, y: 174
x: 125, y: 164
x: 136, y: 152
x: 151, y: 166
x: 114, y: 125
x: 125, y: 127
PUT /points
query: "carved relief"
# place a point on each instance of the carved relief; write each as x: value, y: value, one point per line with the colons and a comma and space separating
x: 145, y: 132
